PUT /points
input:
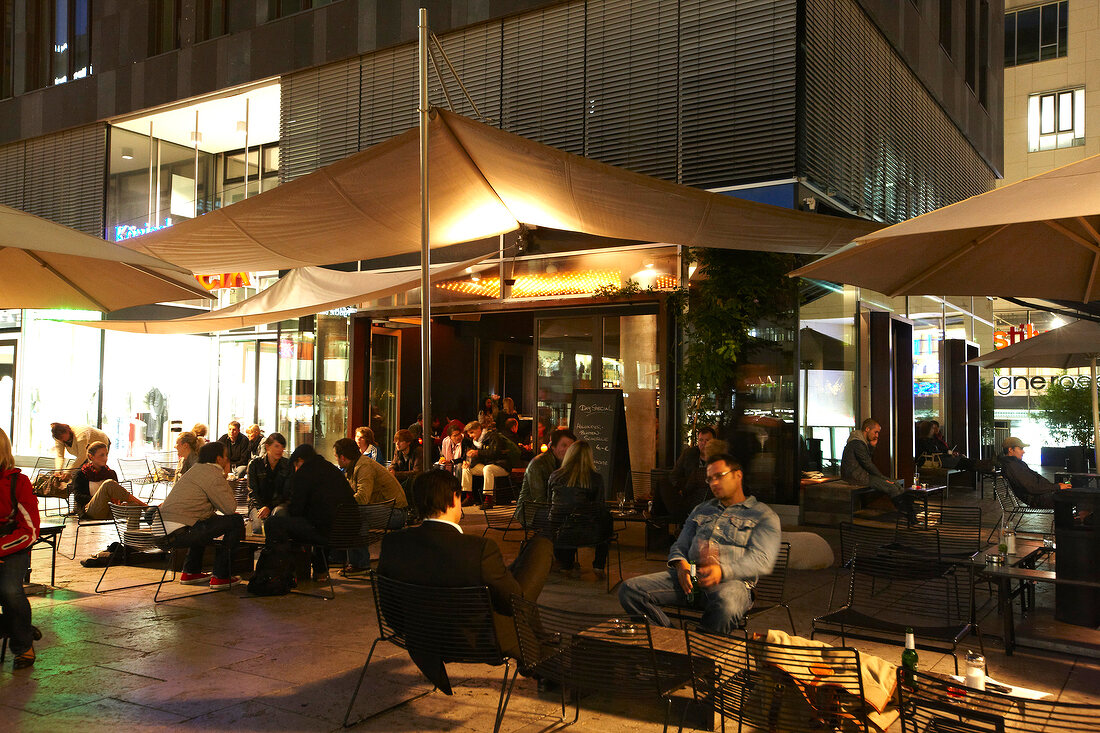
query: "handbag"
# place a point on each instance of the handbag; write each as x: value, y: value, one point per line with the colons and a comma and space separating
x: 930, y: 460
x: 52, y: 486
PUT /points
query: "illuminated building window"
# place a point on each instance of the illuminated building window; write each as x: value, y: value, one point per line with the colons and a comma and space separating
x: 1056, y: 120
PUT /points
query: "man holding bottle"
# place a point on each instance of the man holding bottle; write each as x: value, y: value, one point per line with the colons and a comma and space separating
x: 732, y: 540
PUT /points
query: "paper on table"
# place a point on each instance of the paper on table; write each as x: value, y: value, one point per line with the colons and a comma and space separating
x: 1024, y: 692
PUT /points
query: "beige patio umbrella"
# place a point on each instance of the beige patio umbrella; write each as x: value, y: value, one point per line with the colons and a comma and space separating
x: 1035, y: 238
x: 1069, y: 347
x: 47, y: 265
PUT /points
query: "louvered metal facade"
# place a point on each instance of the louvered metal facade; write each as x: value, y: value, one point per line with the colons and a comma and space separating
x: 58, y: 177
x: 872, y: 135
x: 700, y: 91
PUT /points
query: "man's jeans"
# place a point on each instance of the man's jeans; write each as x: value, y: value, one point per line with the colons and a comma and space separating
x: 724, y: 605
x: 202, y: 533
x: 13, y: 601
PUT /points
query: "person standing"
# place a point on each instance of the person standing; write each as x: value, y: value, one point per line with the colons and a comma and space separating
x: 75, y: 439
x: 856, y: 466
x: 732, y: 539
x: 19, y: 524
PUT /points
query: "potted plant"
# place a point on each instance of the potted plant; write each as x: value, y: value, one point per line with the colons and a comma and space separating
x: 1067, y: 412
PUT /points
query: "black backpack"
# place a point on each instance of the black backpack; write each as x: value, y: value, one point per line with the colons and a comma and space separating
x: 274, y: 574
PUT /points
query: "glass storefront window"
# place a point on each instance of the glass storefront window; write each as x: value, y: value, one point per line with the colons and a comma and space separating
x: 312, y: 383
x: 829, y: 354
x: 332, y: 372
x: 383, y: 388
x: 295, y: 379
x: 149, y: 381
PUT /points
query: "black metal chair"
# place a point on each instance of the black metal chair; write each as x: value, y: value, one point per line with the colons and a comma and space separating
x: 592, y: 652
x: 81, y: 521
x: 590, y: 513
x: 778, y: 687
x: 1013, y: 510
x: 354, y: 526
x: 769, y: 593
x: 959, y: 529
x: 438, y: 626
x: 140, y: 528
x: 932, y: 703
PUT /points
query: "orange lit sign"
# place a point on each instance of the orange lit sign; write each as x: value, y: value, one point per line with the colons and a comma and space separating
x: 539, y: 285
x: 1024, y: 331
x: 227, y: 280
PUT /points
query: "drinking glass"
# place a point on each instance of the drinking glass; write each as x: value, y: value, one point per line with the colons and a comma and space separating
x: 620, y: 496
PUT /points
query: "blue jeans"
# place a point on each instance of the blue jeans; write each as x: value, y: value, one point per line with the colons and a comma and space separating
x: 13, y: 601
x: 724, y: 605
x: 230, y: 527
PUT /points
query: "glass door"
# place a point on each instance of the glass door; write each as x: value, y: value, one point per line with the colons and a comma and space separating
x: 7, y: 386
x: 566, y: 355
x: 384, y: 348
x: 236, y: 384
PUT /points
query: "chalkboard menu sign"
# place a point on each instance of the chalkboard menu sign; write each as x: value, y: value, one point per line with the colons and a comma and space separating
x: 599, y: 417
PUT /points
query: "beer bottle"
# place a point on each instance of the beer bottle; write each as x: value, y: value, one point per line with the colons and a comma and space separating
x: 694, y: 582
x: 909, y: 657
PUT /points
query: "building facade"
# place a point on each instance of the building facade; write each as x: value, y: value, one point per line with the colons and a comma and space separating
x: 122, y: 117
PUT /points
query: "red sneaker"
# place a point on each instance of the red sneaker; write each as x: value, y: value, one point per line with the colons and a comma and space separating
x: 194, y: 578
x: 224, y: 583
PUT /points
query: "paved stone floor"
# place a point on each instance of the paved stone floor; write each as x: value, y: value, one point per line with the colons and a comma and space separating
x: 229, y: 661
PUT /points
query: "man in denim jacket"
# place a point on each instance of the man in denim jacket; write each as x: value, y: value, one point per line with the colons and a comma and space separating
x: 732, y: 539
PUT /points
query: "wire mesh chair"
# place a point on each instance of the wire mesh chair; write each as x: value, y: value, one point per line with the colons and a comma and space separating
x: 779, y: 687
x: 438, y: 626
x: 1013, y: 510
x: 958, y: 528
x: 590, y: 514
x: 931, y: 703
x: 79, y: 520
x: 138, y: 473
x: 354, y: 526
x: 501, y: 518
x: 164, y: 474
x: 769, y: 593
x: 47, y: 464
x: 139, y: 529
x: 592, y: 652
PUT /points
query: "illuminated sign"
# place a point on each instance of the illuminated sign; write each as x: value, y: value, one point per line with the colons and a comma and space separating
x: 227, y: 280
x: 540, y: 286
x: 129, y: 231
x: 1006, y: 385
x: 1024, y: 331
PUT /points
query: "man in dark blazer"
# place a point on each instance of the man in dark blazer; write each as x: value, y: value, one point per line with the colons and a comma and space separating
x: 437, y: 553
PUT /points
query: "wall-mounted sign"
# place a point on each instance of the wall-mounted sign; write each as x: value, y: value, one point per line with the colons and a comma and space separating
x: 1024, y: 331
x: 1021, y: 385
x: 129, y: 231
x: 227, y: 280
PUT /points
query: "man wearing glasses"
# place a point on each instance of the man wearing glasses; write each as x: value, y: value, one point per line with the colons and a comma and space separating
x: 733, y: 539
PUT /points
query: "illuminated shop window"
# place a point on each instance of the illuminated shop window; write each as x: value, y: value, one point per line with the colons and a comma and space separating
x: 1056, y: 120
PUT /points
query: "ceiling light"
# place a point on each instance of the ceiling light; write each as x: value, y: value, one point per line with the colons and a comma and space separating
x: 127, y: 153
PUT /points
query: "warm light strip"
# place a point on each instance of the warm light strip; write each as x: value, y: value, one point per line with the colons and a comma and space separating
x: 536, y: 286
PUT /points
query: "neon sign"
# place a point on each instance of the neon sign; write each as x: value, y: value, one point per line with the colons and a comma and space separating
x: 1022, y: 332
x: 129, y: 231
x: 226, y: 280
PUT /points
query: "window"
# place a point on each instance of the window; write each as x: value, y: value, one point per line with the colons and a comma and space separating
x: 945, y: 25
x: 281, y: 8
x: 211, y: 19
x: 7, y: 28
x: 164, y: 18
x: 1036, y: 34
x: 1056, y: 120
x: 58, y: 42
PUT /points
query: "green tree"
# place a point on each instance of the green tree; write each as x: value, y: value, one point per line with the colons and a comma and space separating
x: 1068, y: 412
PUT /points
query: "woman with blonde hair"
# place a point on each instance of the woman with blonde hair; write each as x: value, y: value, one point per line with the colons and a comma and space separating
x: 187, y: 449
x: 19, y: 523
x: 200, y: 433
x: 578, y: 508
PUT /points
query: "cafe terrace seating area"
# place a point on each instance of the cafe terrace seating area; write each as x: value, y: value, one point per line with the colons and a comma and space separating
x: 229, y: 661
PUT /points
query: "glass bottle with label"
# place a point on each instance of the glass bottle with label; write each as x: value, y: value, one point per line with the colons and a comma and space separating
x: 909, y: 657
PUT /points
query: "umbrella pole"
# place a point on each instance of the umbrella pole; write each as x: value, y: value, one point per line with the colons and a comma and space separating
x: 1095, y: 415
x: 425, y: 281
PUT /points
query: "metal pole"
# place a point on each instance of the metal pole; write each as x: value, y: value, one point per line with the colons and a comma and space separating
x: 425, y: 280
x: 1095, y: 415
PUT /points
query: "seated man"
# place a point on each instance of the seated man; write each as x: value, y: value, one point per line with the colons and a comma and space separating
x: 437, y: 553
x: 687, y: 484
x: 95, y: 486
x: 732, y: 539
x: 191, y: 518
x: 370, y: 480
x: 75, y: 439
x: 491, y: 460
x: 856, y: 466
x: 1028, y: 486
x: 317, y: 490
x: 539, y: 469
x: 237, y: 448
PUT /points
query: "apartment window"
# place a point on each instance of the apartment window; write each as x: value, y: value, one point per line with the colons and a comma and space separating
x: 945, y: 25
x: 7, y: 29
x: 280, y: 8
x: 1036, y: 34
x: 58, y: 38
x: 164, y: 22
x: 1056, y: 120
x: 211, y: 19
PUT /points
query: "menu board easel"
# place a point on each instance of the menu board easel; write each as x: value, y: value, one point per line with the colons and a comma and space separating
x: 599, y: 417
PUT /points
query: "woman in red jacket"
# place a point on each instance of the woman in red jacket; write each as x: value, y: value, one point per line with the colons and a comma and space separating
x: 18, y: 531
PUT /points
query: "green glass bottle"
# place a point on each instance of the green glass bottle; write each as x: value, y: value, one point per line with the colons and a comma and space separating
x: 694, y: 581
x: 909, y: 657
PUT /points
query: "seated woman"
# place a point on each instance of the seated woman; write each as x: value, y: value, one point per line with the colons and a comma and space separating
x: 255, y: 440
x: 576, y: 485
x: 452, y: 451
x: 200, y: 433
x: 187, y: 448
x: 488, y: 409
x: 95, y: 486
x: 364, y: 438
x: 930, y: 447
x: 407, y: 458
x: 269, y: 478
